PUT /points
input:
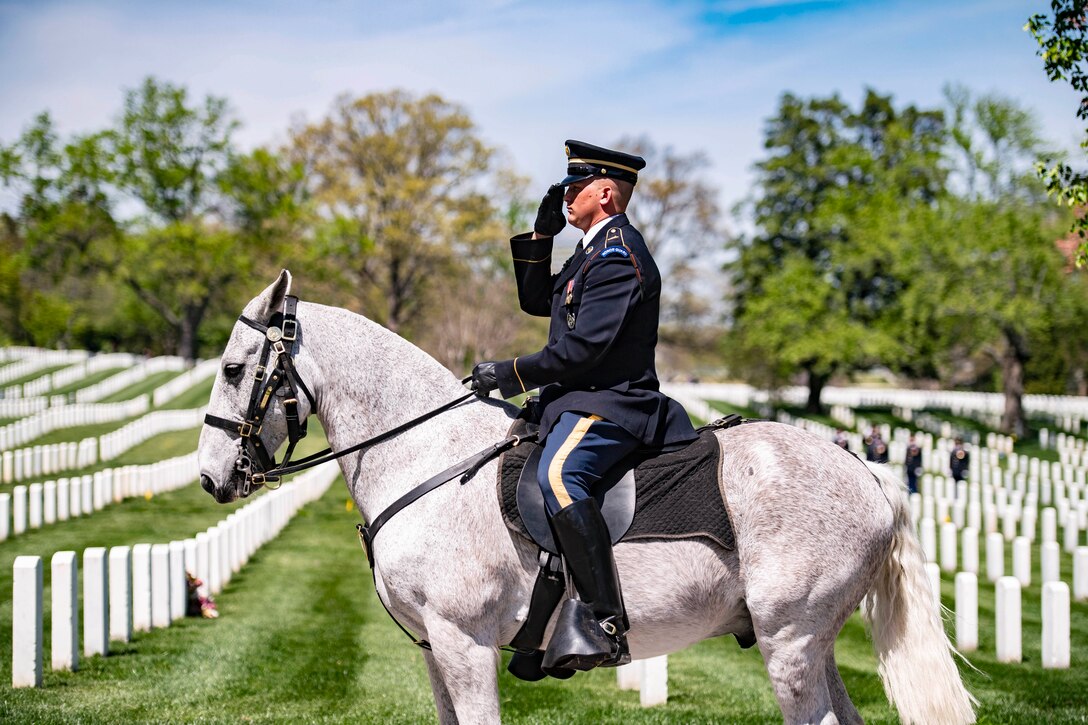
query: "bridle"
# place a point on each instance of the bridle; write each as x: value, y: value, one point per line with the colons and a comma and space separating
x: 254, y: 460
x: 280, y: 338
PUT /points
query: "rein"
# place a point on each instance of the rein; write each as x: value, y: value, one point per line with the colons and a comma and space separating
x: 284, y: 327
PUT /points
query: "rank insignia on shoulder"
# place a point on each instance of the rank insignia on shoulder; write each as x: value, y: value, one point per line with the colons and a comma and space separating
x: 616, y: 250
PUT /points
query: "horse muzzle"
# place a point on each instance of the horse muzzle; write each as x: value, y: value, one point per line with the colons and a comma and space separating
x: 222, y: 494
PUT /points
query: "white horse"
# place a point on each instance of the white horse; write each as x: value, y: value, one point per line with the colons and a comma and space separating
x: 816, y: 532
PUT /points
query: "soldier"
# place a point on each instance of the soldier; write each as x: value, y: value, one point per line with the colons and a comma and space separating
x: 876, y: 449
x: 959, y: 461
x: 600, y: 396
x: 913, y: 463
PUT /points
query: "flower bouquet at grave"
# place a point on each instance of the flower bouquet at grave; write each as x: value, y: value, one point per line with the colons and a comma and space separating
x: 197, y: 605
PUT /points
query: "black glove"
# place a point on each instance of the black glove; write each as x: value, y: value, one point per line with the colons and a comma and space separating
x: 484, y: 379
x: 550, y: 218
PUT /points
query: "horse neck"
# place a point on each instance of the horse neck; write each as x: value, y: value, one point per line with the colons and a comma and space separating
x: 369, y: 380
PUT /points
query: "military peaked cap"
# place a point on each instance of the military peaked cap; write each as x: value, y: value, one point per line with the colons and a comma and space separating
x: 584, y: 161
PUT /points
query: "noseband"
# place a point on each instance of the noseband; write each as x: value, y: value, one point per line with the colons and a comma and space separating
x: 281, y: 336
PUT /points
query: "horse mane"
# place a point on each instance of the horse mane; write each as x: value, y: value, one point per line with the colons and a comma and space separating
x: 414, y: 358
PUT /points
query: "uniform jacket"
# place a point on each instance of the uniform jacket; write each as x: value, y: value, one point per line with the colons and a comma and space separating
x: 959, y: 461
x: 604, y: 307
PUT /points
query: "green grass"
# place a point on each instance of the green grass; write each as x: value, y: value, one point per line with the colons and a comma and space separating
x: 302, y: 637
x: 146, y: 385
x: 87, y: 381
x: 195, y: 397
x: 727, y: 408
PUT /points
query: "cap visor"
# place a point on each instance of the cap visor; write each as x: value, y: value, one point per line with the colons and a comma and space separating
x: 575, y: 178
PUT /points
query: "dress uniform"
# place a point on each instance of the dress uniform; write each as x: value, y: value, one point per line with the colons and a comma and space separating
x: 599, y: 391
x: 912, y: 461
x: 959, y: 461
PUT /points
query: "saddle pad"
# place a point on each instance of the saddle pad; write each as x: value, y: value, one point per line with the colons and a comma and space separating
x: 678, y: 495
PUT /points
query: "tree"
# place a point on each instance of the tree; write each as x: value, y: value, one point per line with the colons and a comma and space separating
x: 205, y: 214
x: 1001, y: 268
x: 62, y: 214
x: 399, y: 185
x: 832, y: 201
x: 1063, y: 46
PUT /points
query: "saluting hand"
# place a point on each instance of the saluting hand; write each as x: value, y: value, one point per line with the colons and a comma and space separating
x: 550, y: 218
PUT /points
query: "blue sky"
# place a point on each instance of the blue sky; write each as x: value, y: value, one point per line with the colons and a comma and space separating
x: 697, y: 75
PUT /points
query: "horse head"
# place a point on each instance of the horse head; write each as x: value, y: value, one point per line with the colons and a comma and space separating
x: 253, y: 399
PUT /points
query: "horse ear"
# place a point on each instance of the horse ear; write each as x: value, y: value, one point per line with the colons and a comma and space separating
x: 271, y: 300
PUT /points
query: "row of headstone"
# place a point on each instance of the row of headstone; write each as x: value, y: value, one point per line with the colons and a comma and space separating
x: 1008, y: 631
x: 959, y: 551
x: 127, y: 378
x: 968, y: 404
x: 188, y: 379
x: 25, y: 430
x: 78, y: 371
x: 111, y: 445
x: 28, y: 352
x: 22, y: 407
x: 45, y: 460
x: 144, y: 587
x: 41, y: 504
x: 30, y: 364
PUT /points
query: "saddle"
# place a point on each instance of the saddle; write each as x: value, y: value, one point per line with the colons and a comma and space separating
x: 673, y: 494
x: 665, y: 495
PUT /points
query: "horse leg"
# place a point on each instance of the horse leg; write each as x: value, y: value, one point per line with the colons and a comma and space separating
x: 840, y: 700
x: 464, y: 675
x: 795, y: 647
x: 442, y: 700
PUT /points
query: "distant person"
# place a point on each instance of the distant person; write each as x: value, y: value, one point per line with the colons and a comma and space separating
x: 841, y: 439
x: 959, y: 460
x: 876, y: 450
x: 913, y: 463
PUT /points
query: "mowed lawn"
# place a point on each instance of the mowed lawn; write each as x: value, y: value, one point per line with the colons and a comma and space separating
x: 302, y: 638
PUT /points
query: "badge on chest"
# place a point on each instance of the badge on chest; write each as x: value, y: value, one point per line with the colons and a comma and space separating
x: 569, y: 300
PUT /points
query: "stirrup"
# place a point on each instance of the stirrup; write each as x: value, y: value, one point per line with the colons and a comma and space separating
x: 581, y: 642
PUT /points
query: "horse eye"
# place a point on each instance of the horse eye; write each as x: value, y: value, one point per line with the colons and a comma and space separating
x: 233, y: 371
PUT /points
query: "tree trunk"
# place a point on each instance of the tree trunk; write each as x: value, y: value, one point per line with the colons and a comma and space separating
x: 816, y: 383
x: 1012, y: 382
x: 191, y: 318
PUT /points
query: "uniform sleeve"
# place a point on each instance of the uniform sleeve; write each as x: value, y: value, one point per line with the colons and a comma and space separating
x: 533, y: 272
x: 610, y: 292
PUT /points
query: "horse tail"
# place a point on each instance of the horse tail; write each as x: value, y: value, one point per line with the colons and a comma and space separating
x: 915, y: 657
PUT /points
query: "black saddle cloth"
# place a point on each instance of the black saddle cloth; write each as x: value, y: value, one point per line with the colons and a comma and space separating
x: 678, y: 495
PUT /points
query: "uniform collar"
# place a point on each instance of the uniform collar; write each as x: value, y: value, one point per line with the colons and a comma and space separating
x: 594, y: 230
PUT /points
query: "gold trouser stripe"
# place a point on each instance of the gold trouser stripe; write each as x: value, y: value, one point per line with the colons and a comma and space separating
x: 516, y: 373
x: 555, y: 468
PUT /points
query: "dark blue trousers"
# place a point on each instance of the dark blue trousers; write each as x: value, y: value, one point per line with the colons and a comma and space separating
x: 578, y: 451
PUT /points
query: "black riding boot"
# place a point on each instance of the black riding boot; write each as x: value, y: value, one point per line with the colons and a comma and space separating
x: 589, y: 632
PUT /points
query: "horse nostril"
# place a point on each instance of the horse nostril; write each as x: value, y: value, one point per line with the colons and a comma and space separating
x: 207, y: 484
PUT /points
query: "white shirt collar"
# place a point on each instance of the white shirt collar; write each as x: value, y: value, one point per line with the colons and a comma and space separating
x: 592, y: 231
